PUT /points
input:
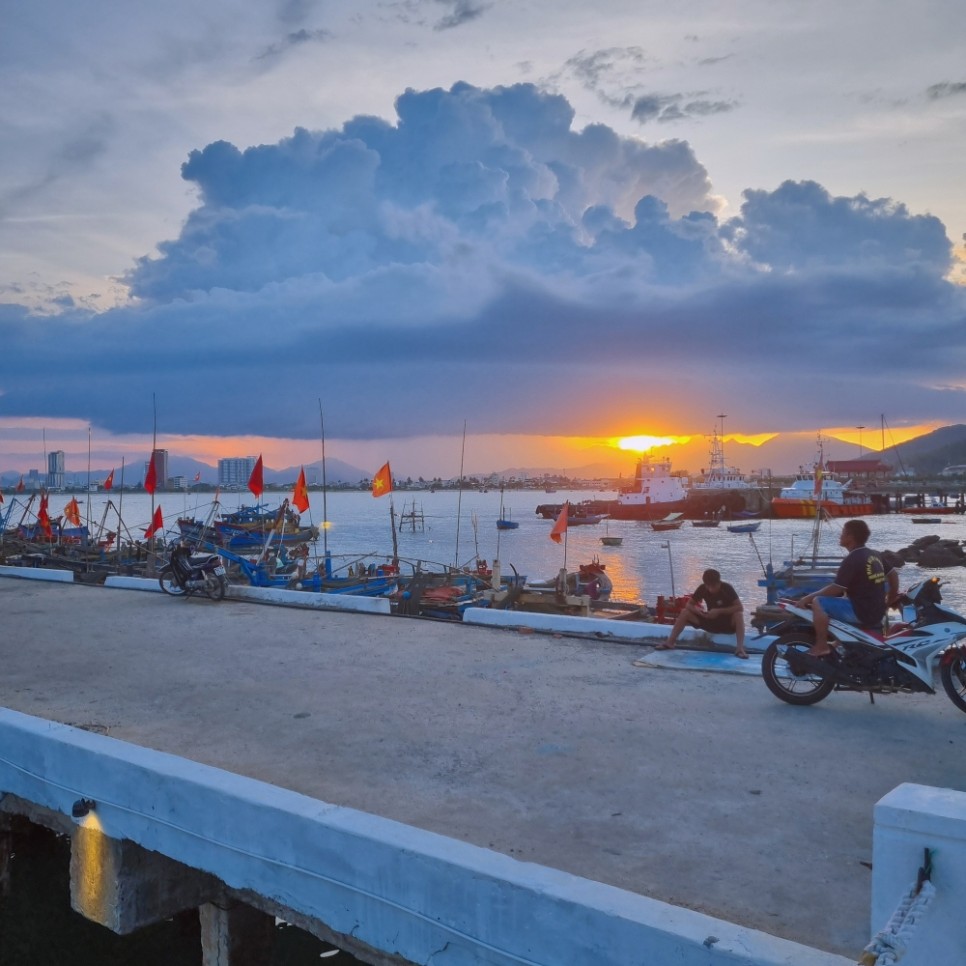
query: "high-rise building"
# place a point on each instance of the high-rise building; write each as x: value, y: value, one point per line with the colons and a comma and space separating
x: 235, y: 471
x: 55, y: 470
x: 160, y: 468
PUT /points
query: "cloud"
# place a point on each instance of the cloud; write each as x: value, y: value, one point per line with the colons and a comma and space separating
x: 676, y: 107
x: 461, y: 12
x: 946, y: 89
x: 616, y: 75
x: 480, y: 258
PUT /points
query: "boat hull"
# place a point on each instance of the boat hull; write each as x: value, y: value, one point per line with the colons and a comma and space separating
x: 787, y: 509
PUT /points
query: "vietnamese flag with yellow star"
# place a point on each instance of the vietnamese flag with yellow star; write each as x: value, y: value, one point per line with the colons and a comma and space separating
x: 382, y: 481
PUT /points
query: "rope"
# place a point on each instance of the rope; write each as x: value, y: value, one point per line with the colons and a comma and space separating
x: 889, y: 945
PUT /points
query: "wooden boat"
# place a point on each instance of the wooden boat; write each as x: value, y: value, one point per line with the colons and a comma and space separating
x: 503, y: 521
x: 671, y: 522
x: 610, y: 541
x: 744, y: 527
x: 247, y: 528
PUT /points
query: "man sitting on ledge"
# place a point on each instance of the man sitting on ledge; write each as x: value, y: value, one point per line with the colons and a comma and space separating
x: 715, y: 608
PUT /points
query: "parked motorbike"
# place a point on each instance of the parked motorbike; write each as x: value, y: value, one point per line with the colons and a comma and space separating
x: 187, y: 573
x: 906, y: 660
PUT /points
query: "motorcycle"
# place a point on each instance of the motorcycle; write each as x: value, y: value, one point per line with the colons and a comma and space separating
x: 903, y: 661
x: 187, y: 573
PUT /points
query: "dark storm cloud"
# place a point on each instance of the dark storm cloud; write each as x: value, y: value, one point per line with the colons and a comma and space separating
x: 480, y: 256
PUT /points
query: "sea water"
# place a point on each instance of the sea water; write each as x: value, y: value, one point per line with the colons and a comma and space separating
x: 445, y: 528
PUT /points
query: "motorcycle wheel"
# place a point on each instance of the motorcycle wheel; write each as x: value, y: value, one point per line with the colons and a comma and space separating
x: 168, y: 584
x: 953, y: 674
x: 782, y: 682
x: 215, y: 586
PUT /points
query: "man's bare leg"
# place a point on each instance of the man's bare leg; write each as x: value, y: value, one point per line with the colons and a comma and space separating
x: 740, y: 635
x: 820, y: 621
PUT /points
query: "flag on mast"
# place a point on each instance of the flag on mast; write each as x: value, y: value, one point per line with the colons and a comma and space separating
x: 151, y: 477
x: 382, y: 481
x: 43, y: 517
x: 157, y: 524
x: 300, y: 498
x: 72, y: 512
x: 109, y: 482
x: 256, y: 482
x: 560, y: 527
x: 19, y: 487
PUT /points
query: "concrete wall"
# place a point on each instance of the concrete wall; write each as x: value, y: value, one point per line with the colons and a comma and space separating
x: 411, y: 893
x: 908, y: 820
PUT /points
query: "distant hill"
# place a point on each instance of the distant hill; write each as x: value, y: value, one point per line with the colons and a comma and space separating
x: 927, y: 455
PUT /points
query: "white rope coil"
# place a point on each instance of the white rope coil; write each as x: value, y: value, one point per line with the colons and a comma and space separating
x: 890, y: 944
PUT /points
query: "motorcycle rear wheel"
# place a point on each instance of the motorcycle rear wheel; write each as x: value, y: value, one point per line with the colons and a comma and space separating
x: 215, y: 586
x: 793, y: 689
x: 953, y: 675
x: 168, y: 583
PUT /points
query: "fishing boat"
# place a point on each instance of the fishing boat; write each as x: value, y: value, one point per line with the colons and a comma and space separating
x: 816, y: 489
x: 247, y: 528
x: 707, y: 524
x: 671, y: 522
x: 722, y: 489
x: 751, y: 527
x: 655, y: 493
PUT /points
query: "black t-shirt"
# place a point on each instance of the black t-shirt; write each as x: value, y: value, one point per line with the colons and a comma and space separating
x: 724, y: 596
x: 863, y: 575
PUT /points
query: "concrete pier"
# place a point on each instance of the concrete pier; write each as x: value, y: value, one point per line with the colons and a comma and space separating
x: 699, y: 790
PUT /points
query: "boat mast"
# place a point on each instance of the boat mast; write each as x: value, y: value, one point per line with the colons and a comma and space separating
x: 325, y: 514
x: 459, y: 499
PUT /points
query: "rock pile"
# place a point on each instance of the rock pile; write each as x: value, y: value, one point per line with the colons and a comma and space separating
x: 930, y: 551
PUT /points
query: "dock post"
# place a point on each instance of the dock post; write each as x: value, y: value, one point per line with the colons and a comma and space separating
x: 123, y: 886
x: 235, y: 935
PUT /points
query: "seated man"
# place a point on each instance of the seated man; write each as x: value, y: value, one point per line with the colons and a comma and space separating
x: 722, y: 613
x: 868, y: 587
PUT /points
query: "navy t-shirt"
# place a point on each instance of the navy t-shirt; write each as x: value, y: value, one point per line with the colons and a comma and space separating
x: 863, y: 575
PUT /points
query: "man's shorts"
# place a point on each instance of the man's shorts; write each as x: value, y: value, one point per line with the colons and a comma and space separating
x: 838, y: 608
x: 717, y: 625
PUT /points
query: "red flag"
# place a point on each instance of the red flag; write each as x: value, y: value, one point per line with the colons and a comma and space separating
x: 560, y: 526
x: 157, y: 524
x: 72, y: 512
x: 109, y: 482
x: 382, y: 481
x: 43, y: 517
x: 20, y: 484
x: 151, y: 477
x: 300, y: 498
x: 256, y: 482
x: 198, y: 477
x: 1, y: 496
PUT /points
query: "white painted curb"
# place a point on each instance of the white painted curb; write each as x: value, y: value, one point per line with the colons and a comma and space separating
x: 39, y: 573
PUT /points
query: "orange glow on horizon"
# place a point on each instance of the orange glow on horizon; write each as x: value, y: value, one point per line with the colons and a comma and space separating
x: 643, y: 444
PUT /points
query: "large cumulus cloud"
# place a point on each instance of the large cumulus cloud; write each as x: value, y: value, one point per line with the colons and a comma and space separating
x: 480, y: 258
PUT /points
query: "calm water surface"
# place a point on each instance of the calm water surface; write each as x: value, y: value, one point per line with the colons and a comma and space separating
x: 645, y: 565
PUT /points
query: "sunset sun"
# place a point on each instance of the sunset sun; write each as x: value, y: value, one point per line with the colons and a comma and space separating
x: 642, y: 444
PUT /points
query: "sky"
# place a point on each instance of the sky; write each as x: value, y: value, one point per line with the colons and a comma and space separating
x: 538, y: 221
